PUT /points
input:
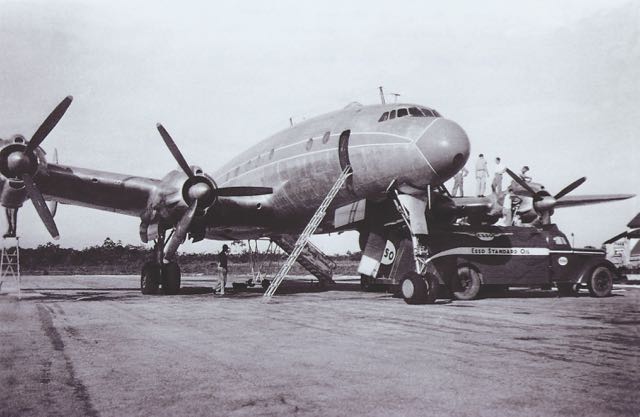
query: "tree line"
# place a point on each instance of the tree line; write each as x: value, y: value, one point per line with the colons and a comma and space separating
x: 115, y: 258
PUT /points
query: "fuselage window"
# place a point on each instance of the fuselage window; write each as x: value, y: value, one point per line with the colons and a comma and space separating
x: 384, y: 116
x: 392, y: 115
x: 403, y: 112
x: 414, y: 111
x: 309, y: 144
x: 326, y: 136
x: 271, y: 153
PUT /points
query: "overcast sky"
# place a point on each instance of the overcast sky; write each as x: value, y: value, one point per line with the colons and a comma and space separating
x: 550, y: 84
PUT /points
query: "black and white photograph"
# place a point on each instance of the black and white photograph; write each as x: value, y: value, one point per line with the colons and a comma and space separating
x: 319, y: 208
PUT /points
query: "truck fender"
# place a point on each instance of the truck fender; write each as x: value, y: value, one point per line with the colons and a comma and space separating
x: 583, y: 277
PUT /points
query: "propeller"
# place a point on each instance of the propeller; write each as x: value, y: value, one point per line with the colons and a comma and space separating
x: 198, y: 191
x: 543, y: 202
x: 20, y: 162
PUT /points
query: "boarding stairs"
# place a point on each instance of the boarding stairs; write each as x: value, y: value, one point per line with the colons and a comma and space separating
x: 10, y: 261
x: 303, y: 239
x: 311, y: 258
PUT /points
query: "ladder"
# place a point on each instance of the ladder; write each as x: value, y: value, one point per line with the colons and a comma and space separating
x: 307, y: 232
x: 311, y: 258
x: 10, y: 261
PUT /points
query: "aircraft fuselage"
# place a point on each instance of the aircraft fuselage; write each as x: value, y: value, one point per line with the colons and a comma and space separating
x: 302, y: 163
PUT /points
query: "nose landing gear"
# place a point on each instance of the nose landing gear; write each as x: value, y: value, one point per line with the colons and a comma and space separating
x: 421, y: 286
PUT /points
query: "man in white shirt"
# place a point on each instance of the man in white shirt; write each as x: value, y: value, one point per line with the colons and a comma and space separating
x: 481, y: 175
x: 496, y: 185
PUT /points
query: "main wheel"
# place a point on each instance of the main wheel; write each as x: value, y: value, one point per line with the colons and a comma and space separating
x: 150, y: 278
x: 265, y: 283
x: 469, y: 283
x: 568, y: 289
x: 600, y: 282
x: 171, y: 278
x: 418, y: 289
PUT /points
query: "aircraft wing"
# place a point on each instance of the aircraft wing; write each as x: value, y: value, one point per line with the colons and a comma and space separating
x: 584, y: 200
x: 125, y: 194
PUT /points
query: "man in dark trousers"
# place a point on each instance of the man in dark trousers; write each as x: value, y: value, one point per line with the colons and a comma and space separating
x: 222, y: 269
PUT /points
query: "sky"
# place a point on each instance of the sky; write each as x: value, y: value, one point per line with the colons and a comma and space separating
x: 549, y: 84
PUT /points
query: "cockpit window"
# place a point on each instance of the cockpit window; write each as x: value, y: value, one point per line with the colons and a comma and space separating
x: 430, y: 113
x: 411, y: 111
x: 414, y: 111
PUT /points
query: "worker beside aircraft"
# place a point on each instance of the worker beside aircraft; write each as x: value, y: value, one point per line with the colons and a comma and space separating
x: 223, y: 269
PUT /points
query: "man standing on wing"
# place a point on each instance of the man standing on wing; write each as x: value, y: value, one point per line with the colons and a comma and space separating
x: 496, y: 185
x: 481, y: 175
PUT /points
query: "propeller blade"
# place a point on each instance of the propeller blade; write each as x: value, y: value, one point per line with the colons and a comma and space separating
x: 40, y: 206
x: 521, y: 182
x: 243, y: 191
x: 49, y: 123
x: 566, y: 190
x: 173, y: 148
x: 180, y: 234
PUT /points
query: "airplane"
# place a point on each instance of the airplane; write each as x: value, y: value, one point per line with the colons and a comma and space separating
x: 392, y: 158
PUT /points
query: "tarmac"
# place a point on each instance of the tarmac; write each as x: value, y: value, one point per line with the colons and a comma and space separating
x: 94, y: 346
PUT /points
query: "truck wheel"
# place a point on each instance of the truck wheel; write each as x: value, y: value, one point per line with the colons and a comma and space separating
x: 600, y: 282
x: 150, y: 278
x: 468, y: 282
x: 171, y: 278
x: 418, y: 289
x: 567, y: 289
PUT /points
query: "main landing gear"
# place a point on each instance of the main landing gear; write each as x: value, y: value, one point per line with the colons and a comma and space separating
x: 158, y: 273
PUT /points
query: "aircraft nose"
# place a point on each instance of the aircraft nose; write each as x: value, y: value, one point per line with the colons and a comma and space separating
x: 445, y: 146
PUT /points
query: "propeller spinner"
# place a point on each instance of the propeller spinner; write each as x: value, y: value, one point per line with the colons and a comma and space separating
x: 20, y: 162
x: 198, y: 192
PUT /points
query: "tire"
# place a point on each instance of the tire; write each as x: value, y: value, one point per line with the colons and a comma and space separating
x: 150, y: 278
x: 600, y: 282
x: 418, y: 289
x: 171, y: 278
x: 568, y: 289
x: 469, y: 282
x: 265, y: 283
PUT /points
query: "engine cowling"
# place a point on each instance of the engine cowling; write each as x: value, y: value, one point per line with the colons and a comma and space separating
x: 15, y: 160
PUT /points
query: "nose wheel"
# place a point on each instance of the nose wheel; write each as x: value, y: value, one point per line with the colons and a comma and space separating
x: 419, y: 289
